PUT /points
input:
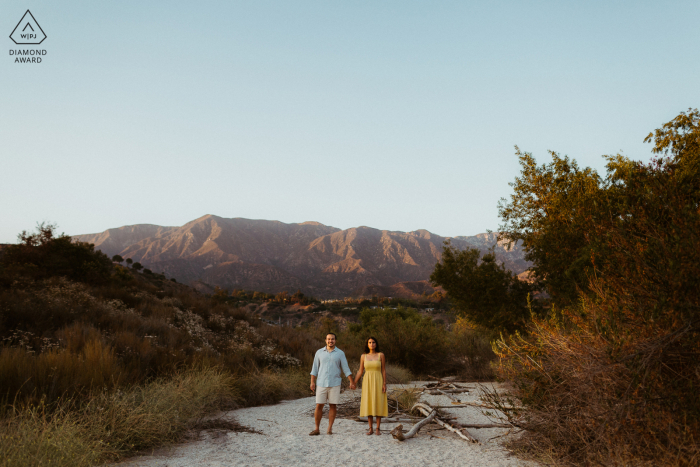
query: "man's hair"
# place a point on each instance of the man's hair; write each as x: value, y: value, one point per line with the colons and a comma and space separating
x: 332, y: 334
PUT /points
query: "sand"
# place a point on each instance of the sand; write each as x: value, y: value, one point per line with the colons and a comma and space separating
x: 285, y: 442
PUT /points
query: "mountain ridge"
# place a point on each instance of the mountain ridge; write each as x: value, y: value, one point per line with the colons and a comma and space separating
x: 272, y: 256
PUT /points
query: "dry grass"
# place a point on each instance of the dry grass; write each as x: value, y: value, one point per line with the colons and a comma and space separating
x: 34, y: 438
x: 56, y: 373
x: 579, y: 408
x: 396, y: 374
x: 270, y: 387
x: 114, y: 424
x: 405, y: 398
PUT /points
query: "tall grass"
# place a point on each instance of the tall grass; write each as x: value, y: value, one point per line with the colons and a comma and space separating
x: 396, y: 374
x: 113, y: 424
x: 270, y: 387
x: 58, y: 373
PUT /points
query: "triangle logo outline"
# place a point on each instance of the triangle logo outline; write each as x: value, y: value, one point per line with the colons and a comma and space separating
x: 39, y: 36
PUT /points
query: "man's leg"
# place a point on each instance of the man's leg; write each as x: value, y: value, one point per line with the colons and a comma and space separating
x: 318, y: 413
x: 331, y: 417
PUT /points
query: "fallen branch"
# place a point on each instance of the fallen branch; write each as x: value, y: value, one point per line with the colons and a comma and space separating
x: 456, y: 405
x: 397, y: 432
x: 389, y: 420
x: 485, y: 425
x: 425, y: 409
x: 435, y: 392
x: 450, y: 397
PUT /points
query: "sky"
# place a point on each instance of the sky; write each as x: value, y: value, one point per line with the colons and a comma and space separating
x: 398, y: 115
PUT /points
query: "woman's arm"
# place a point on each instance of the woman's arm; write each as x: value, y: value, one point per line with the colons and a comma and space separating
x: 383, y: 359
x: 361, y: 370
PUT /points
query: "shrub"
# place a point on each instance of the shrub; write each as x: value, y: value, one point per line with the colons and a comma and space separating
x: 113, y: 424
x: 614, y: 378
x: 41, y: 255
x: 396, y: 374
x: 483, y: 290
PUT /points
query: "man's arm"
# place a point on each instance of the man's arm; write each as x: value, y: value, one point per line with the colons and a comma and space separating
x: 314, y: 372
x: 346, y: 370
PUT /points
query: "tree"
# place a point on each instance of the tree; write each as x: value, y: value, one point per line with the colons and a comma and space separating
x: 117, y: 259
x: 620, y: 362
x: 481, y: 289
x: 136, y: 266
x: 129, y: 261
x: 42, y: 254
x: 549, y: 211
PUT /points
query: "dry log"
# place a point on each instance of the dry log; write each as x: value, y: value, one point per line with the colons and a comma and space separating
x: 388, y: 420
x: 457, y: 405
x: 435, y: 392
x: 462, y: 433
x: 485, y: 425
x: 397, y: 432
x: 446, y: 394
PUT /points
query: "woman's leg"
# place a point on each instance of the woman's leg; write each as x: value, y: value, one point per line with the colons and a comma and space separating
x: 369, y: 419
x: 379, y: 423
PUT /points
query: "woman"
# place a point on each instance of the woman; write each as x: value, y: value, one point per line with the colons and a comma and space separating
x: 373, y: 403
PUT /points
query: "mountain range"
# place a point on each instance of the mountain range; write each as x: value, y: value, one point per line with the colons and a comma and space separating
x: 272, y: 256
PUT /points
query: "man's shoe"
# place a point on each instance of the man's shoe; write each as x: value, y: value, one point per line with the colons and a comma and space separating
x: 315, y: 433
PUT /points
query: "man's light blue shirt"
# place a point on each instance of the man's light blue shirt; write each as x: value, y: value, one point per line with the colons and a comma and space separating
x: 327, y: 366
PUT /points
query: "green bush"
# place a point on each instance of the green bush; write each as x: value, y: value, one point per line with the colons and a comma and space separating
x: 41, y: 255
x: 483, y: 290
x: 612, y: 377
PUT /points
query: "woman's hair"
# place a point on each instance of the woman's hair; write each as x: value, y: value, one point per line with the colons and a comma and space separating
x: 367, y: 346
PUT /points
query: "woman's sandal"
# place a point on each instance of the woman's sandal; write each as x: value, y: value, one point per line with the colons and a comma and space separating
x: 315, y: 433
x: 378, y: 432
x: 370, y: 432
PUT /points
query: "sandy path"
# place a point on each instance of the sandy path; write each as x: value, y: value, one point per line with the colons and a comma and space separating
x: 285, y: 442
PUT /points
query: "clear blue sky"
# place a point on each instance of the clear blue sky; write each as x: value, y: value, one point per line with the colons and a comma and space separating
x: 397, y: 115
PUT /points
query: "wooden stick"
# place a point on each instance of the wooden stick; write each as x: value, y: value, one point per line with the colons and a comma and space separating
x: 446, y: 394
x: 463, y: 433
x: 448, y: 391
x: 458, y: 405
x: 397, y: 432
x: 486, y: 425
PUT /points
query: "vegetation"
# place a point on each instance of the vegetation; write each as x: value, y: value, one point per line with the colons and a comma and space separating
x: 611, y: 375
x: 483, y: 290
x: 112, y: 424
x: 414, y: 341
x: 99, y: 360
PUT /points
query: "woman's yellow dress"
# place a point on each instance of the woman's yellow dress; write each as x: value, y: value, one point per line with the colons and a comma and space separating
x: 373, y: 401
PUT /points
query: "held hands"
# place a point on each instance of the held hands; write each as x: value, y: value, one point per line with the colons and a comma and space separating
x: 353, y: 386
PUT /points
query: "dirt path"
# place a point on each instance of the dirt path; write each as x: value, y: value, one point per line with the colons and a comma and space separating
x: 285, y: 442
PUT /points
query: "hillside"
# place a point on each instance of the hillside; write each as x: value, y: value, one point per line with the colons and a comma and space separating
x: 272, y: 256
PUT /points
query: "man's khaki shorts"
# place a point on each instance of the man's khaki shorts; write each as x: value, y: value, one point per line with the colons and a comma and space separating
x: 330, y: 395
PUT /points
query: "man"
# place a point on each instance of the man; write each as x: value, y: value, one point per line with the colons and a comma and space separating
x: 328, y: 362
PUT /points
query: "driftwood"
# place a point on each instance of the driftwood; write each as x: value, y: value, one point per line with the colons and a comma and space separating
x: 462, y: 433
x: 397, y: 432
x: 448, y: 380
x: 435, y: 392
x: 485, y: 425
x: 457, y: 405
x: 453, y: 399
x: 389, y: 419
